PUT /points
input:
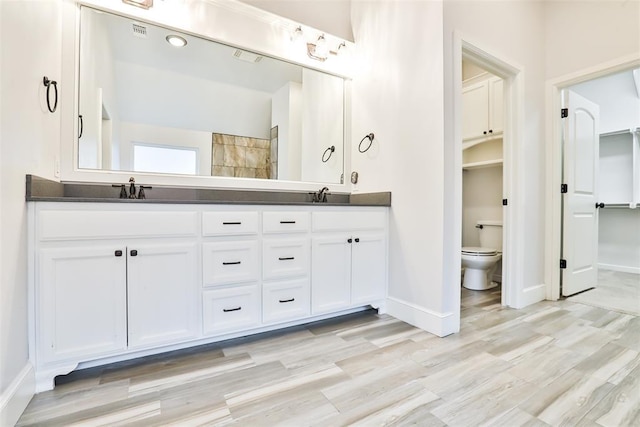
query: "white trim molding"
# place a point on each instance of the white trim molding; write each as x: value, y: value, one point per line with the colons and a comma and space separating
x: 17, y: 396
x: 440, y: 324
x: 619, y: 268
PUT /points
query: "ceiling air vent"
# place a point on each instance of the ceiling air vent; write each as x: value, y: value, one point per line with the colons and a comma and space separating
x: 243, y: 55
x: 139, y: 30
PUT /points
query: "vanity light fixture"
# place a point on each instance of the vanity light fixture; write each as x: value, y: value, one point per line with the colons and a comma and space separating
x: 145, y: 4
x: 320, y: 50
x: 177, y: 41
x: 297, y: 34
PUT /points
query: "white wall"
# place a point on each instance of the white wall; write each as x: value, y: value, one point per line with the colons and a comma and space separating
x: 510, y: 31
x: 322, y: 126
x: 581, y: 34
x: 398, y: 95
x: 30, y: 48
x: 150, y: 96
x: 330, y: 16
x: 619, y: 240
x: 481, y: 200
x: 286, y: 107
x: 131, y: 133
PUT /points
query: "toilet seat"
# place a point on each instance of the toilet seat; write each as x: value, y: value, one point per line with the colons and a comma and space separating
x: 477, y: 251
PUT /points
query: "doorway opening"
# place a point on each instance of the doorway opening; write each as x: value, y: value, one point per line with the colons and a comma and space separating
x: 616, y: 220
x: 482, y: 185
x: 491, y: 158
x: 600, y: 239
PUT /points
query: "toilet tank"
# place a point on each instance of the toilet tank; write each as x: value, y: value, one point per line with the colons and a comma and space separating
x: 490, y: 234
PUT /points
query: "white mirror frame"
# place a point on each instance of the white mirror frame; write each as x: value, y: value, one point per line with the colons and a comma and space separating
x: 225, y: 21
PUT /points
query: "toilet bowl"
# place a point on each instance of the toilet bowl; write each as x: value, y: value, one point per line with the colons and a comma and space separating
x: 479, y: 265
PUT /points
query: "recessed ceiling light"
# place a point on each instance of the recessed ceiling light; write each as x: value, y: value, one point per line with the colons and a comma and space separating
x: 176, y: 41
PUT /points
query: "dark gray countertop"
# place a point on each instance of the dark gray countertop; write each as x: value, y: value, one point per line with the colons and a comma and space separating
x: 44, y: 190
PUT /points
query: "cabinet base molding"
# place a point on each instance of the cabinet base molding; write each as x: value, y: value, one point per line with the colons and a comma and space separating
x: 619, y: 268
x: 45, y: 377
x: 17, y: 396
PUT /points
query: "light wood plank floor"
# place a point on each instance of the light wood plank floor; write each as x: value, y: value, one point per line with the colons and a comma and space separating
x: 615, y: 291
x: 554, y: 363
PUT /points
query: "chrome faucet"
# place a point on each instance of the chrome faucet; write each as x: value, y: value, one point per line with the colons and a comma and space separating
x: 321, y: 195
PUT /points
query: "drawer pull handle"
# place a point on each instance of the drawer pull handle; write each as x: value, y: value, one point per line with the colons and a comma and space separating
x: 287, y: 222
x: 282, y: 301
x: 231, y: 263
x: 232, y: 223
x: 118, y: 253
x: 286, y: 258
x: 133, y: 253
x: 227, y: 310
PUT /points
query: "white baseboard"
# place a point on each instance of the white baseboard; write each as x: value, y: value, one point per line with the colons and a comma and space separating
x: 620, y: 268
x: 532, y: 295
x: 440, y: 324
x: 17, y: 396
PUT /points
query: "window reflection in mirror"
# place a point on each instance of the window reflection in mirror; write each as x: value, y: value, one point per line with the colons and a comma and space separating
x: 222, y: 110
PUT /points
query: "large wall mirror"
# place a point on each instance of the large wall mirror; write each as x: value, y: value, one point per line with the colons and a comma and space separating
x: 207, y: 109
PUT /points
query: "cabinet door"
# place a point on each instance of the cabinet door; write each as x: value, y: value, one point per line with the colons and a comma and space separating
x: 330, y: 273
x: 496, y: 101
x: 82, y: 301
x: 163, y: 293
x: 368, y: 268
x: 475, y: 110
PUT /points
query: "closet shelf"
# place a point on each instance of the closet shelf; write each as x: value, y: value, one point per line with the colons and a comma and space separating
x: 620, y: 132
x: 484, y: 164
x: 472, y: 143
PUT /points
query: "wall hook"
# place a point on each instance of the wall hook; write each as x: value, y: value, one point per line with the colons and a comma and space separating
x: 370, y: 138
x: 327, y: 153
x: 48, y: 83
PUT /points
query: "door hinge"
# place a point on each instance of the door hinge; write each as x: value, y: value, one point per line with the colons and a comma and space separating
x: 564, y: 188
x: 564, y: 113
x: 563, y: 263
x: 504, y: 202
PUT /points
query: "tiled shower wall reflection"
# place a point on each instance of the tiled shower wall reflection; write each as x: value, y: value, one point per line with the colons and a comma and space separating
x: 243, y: 157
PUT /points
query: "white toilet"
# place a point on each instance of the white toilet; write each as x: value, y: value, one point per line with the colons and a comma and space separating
x: 480, y: 262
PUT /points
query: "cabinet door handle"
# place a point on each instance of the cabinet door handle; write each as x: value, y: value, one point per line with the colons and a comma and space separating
x: 287, y: 222
x: 118, y: 253
x: 484, y: 133
x: 357, y: 239
x: 227, y: 310
x: 133, y: 252
x: 231, y: 262
x: 282, y: 301
x: 349, y: 240
x: 490, y: 130
x: 232, y: 223
x: 286, y: 258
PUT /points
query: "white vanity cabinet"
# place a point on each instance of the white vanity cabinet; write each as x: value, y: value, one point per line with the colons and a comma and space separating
x: 482, y: 109
x: 114, y: 281
x: 286, y: 270
x: 349, y: 259
x: 82, y: 301
x: 107, y: 280
x: 230, y: 271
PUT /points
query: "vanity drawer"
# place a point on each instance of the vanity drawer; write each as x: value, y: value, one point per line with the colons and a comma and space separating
x: 229, y: 223
x: 285, y: 258
x: 230, y: 309
x: 349, y: 221
x: 226, y: 263
x: 285, y: 222
x: 285, y: 300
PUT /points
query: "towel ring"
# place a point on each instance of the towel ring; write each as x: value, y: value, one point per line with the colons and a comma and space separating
x: 48, y: 83
x: 330, y: 150
x: 370, y: 138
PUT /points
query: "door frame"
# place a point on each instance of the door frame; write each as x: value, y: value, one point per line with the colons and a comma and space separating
x: 513, y: 103
x: 554, y: 161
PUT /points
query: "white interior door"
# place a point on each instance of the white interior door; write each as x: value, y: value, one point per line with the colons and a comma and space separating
x: 580, y: 217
